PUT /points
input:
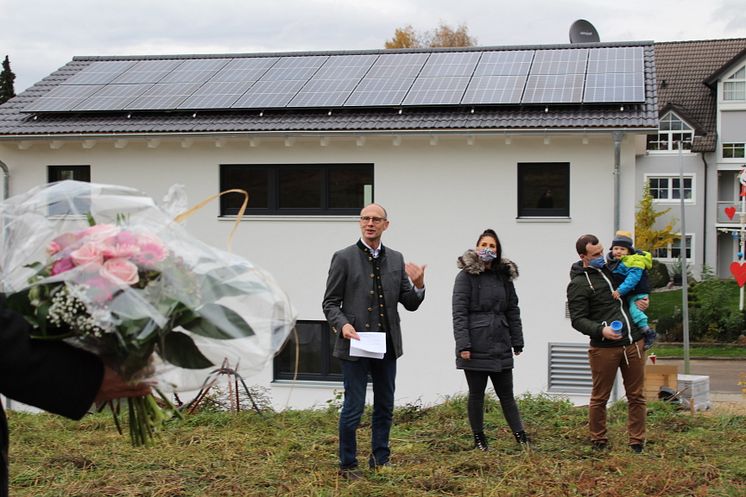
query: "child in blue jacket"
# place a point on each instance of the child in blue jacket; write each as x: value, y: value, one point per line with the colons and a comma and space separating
x: 630, y: 269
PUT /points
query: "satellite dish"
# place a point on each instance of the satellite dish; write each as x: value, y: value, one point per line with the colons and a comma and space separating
x: 583, y: 31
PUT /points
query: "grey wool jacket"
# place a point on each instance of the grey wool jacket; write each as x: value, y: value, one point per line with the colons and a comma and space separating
x: 349, y: 296
x: 486, y: 316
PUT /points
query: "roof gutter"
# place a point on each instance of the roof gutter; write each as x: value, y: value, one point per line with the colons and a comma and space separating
x: 6, y: 180
x: 618, y: 136
x: 460, y: 131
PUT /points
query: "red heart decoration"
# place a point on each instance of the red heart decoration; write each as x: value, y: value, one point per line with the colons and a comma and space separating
x: 738, y: 270
x: 730, y: 212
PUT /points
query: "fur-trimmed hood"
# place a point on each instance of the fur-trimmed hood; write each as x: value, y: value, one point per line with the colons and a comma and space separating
x: 472, y: 264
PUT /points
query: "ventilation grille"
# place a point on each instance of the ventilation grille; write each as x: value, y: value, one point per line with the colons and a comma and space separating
x: 569, y: 370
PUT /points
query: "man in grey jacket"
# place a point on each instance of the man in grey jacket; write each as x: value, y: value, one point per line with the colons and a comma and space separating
x: 366, y: 282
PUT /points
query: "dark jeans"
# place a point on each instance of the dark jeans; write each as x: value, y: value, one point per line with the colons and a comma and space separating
x: 503, y: 383
x: 383, y: 373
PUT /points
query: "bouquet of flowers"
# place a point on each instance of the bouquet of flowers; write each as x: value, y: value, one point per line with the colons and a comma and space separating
x: 117, y: 276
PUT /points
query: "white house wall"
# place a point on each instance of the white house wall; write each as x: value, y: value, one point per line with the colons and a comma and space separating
x: 439, y: 198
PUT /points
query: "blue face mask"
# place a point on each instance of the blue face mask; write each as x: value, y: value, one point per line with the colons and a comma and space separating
x: 598, y: 262
x: 486, y: 254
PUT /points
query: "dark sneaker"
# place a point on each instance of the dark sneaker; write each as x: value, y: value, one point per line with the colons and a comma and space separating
x: 649, y: 335
x: 351, y: 474
x: 600, y: 445
x: 480, y: 441
x: 522, y: 438
x: 636, y: 448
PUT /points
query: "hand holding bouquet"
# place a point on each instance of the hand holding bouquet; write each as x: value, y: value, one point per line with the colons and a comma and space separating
x: 118, y: 277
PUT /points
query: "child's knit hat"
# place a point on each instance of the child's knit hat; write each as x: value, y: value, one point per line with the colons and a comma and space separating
x: 623, y: 239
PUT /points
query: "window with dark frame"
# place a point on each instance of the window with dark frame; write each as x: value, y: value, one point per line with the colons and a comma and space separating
x: 315, y: 361
x: 297, y: 189
x: 544, y: 189
x: 79, y: 206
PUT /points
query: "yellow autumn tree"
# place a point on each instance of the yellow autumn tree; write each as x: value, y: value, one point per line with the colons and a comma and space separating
x: 405, y: 37
x: 442, y: 36
x: 445, y: 36
x: 646, y: 236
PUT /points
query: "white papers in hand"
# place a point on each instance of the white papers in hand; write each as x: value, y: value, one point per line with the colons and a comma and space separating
x: 371, y: 344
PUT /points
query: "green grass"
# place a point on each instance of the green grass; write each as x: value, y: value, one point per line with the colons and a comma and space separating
x: 293, y: 453
x: 676, y: 350
x: 663, y: 304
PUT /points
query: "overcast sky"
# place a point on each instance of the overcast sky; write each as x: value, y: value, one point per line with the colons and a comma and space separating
x: 40, y: 36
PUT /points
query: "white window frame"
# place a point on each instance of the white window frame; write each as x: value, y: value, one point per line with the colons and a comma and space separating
x: 737, y: 80
x: 670, y: 198
x: 670, y: 258
x: 671, y: 145
x: 735, y: 147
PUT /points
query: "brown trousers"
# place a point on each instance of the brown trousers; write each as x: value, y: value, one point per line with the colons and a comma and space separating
x: 604, y: 364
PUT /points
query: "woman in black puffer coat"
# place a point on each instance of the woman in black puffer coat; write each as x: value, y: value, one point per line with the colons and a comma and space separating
x: 487, y: 329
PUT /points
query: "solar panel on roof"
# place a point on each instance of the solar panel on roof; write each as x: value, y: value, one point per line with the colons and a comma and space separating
x: 112, y: 97
x: 560, y: 61
x: 491, y: 77
x: 436, y: 91
x: 244, y: 69
x: 553, y: 89
x: 450, y: 64
x: 62, y: 98
x: 269, y: 94
x: 99, y: 72
x: 613, y: 87
x: 334, y: 81
x: 216, y: 95
x: 616, y: 75
x: 294, y: 68
x: 505, y: 63
x: 379, y: 91
x: 388, y: 80
x: 147, y: 71
x: 616, y: 60
x: 324, y: 93
x: 165, y: 96
x: 494, y: 90
x: 400, y: 66
x: 194, y: 71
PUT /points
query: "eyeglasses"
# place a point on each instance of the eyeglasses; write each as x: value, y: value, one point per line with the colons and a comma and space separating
x: 376, y: 220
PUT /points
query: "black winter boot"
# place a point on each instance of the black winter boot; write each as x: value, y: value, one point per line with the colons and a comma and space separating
x: 522, y: 438
x: 480, y: 441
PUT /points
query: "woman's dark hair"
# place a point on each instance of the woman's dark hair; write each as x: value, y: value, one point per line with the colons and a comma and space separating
x: 491, y: 233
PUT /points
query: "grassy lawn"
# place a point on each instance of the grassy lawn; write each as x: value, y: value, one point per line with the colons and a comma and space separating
x: 676, y: 350
x: 293, y: 453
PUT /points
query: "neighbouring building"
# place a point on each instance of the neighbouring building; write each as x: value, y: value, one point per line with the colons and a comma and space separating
x: 702, y: 105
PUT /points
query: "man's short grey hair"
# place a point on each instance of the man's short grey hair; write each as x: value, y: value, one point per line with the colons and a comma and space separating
x: 385, y: 214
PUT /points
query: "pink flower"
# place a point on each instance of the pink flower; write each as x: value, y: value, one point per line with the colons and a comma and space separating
x: 53, y: 248
x: 112, y: 250
x: 63, y: 241
x: 62, y: 265
x: 121, y: 270
x: 126, y: 237
x: 100, y: 289
x: 88, y: 253
x: 151, y: 250
x: 99, y: 232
